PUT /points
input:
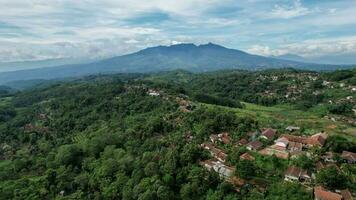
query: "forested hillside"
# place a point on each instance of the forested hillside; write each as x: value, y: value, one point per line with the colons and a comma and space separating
x: 135, y: 136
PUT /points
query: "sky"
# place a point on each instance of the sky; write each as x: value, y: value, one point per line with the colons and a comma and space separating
x: 95, y: 29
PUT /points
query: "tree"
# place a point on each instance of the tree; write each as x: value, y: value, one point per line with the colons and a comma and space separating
x: 331, y: 177
x: 246, y: 169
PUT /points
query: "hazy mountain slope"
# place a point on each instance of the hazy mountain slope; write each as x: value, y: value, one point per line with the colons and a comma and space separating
x: 190, y: 57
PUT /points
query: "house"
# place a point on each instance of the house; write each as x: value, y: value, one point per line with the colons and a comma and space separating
x: 222, y: 137
x: 329, y: 157
x: 349, y: 157
x: 294, y: 173
x: 317, y: 139
x: 223, y: 170
x: 282, y: 142
x: 268, y: 134
x: 295, y: 147
x: 314, y: 140
x: 237, y: 182
x: 279, y: 152
x: 214, y: 138
x: 319, y: 166
x: 217, y: 153
x: 346, y: 194
x: 292, y: 128
x: 254, y: 145
x: 242, y: 142
x: 152, y: 92
x: 321, y: 194
x: 247, y: 156
x: 253, y: 135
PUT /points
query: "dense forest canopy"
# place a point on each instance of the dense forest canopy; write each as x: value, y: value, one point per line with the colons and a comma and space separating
x: 138, y: 136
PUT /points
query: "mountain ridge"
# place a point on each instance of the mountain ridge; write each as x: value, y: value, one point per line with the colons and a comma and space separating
x: 187, y: 56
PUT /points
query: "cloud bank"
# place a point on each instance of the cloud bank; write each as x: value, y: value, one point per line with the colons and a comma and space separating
x: 48, y: 29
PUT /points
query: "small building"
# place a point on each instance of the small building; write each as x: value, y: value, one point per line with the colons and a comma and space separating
x: 346, y: 194
x: 247, y: 156
x: 295, y: 147
x: 292, y: 128
x: 329, y: 157
x: 237, y: 182
x: 152, y: 92
x: 274, y: 150
x: 223, y: 170
x: 224, y: 137
x: 349, y: 157
x: 242, y: 142
x: 318, y: 139
x: 217, y: 153
x: 282, y: 142
x: 214, y: 138
x: 294, y: 173
x: 321, y: 194
x: 254, y: 145
x: 253, y: 135
x: 268, y: 134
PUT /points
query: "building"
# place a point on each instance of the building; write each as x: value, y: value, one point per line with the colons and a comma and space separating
x: 321, y: 194
x: 274, y: 150
x: 294, y: 173
x: 292, y: 128
x: 295, y: 147
x: 318, y: 139
x: 254, y: 145
x: 282, y: 142
x: 152, y: 92
x: 223, y: 170
x: 346, y: 194
x: 329, y: 157
x: 253, y: 135
x: 314, y: 140
x: 222, y: 137
x: 217, y: 153
x: 349, y: 157
x: 242, y: 142
x: 247, y: 156
x: 268, y: 134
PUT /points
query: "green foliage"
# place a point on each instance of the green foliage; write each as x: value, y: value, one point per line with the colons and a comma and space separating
x: 331, y: 177
x: 204, y: 98
x: 337, y: 143
x: 103, y: 137
x: 286, y: 190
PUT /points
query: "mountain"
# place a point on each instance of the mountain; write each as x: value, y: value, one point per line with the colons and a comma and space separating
x: 25, y: 65
x: 343, y: 59
x: 191, y: 57
x: 292, y: 57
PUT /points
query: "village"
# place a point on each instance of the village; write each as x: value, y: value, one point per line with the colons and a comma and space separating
x: 283, y: 146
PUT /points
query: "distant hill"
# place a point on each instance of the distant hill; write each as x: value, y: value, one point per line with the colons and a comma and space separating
x: 195, y: 58
x: 25, y: 65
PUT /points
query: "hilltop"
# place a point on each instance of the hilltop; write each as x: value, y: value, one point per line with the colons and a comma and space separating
x: 180, y: 135
x: 191, y: 57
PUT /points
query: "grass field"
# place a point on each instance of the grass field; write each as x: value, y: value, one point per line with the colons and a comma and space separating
x: 5, y: 101
x: 285, y: 115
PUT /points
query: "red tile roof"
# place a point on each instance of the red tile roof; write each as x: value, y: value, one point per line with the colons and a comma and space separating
x: 321, y: 194
x: 269, y: 133
x: 350, y: 156
x: 346, y: 194
x: 255, y: 144
x: 247, y: 156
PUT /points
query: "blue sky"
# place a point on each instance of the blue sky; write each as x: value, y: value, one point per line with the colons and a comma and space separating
x: 46, y: 29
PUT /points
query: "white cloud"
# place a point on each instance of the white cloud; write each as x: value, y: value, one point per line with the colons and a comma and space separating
x: 286, y: 12
x: 310, y: 48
